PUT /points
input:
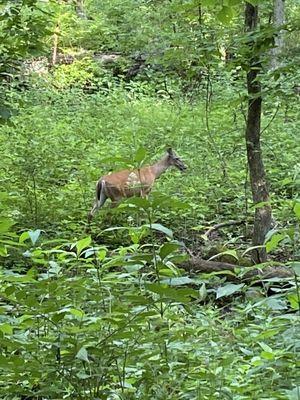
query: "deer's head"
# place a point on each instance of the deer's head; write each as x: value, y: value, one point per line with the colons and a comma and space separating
x: 174, y: 160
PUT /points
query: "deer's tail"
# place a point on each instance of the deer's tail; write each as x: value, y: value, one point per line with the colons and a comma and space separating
x: 99, y: 188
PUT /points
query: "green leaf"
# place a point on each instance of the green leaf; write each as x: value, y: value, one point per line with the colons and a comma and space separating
x: 138, y: 202
x: 267, y: 355
x: 3, y: 251
x: 101, y: 254
x: 297, y: 210
x: 275, y: 304
x: 265, y: 347
x: 83, y: 243
x: 229, y: 289
x: 208, y: 2
x: 83, y: 354
x: 55, y: 268
x: 182, y: 280
x: 274, y: 241
x: 140, y: 155
x: 77, y: 313
x: 160, y: 228
x: 24, y: 236
x: 232, y: 253
x: 202, y: 292
x: 233, y: 2
x: 6, y: 328
x: 296, y: 267
x: 34, y: 235
x: 225, y: 15
x: 167, y: 249
x: 5, y: 224
x: 293, y: 394
x: 294, y: 301
x: 255, y: 2
x: 180, y: 295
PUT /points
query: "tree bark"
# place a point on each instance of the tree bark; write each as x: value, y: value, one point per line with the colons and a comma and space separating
x: 278, y: 21
x: 198, y: 265
x: 79, y: 8
x: 55, y: 45
x: 260, y: 193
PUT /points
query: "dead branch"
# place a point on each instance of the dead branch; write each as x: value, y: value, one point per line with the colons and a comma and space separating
x: 221, y: 225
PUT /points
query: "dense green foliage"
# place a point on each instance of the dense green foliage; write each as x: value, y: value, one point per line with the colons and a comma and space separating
x: 109, y: 311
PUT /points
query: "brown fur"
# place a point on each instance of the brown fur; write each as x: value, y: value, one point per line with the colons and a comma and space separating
x: 128, y: 183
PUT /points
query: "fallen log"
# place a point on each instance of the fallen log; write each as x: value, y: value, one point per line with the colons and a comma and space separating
x: 197, y: 264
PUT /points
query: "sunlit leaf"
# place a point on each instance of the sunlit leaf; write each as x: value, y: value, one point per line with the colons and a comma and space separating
x: 182, y: 280
x: 293, y: 394
x: 6, y: 328
x: 297, y: 210
x: 294, y: 301
x: 3, y: 251
x: 34, y: 235
x: 77, y: 313
x: 275, y: 304
x: 296, y: 267
x: 274, y: 241
x: 232, y: 253
x: 24, y: 236
x: 229, y: 289
x: 202, y: 292
x: 83, y: 354
x: 82, y: 244
x: 161, y: 228
x: 5, y: 224
x: 225, y: 15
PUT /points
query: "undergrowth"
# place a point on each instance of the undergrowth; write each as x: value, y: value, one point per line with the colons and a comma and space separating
x: 110, y: 314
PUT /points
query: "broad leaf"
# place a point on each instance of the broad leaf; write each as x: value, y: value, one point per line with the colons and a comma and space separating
x: 34, y: 235
x: 167, y: 249
x: 229, y: 289
x: 225, y: 15
x: 83, y: 354
x: 182, y: 280
x: 160, y: 228
x: 6, y: 328
x: 77, y: 313
x: 138, y: 202
x: 5, y: 224
x: 274, y: 241
x: 82, y: 244
x: 297, y: 210
x: 296, y: 267
x: 140, y: 155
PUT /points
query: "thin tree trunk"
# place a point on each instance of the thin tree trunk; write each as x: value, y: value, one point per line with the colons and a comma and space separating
x: 278, y: 21
x: 79, y: 8
x: 55, y: 45
x: 260, y: 193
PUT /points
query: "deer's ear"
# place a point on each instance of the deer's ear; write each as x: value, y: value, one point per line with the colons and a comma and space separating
x: 169, y: 151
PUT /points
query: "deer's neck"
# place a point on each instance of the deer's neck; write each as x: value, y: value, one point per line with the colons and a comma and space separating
x: 160, y: 166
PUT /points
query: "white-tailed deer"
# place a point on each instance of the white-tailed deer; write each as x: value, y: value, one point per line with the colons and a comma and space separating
x: 137, y: 182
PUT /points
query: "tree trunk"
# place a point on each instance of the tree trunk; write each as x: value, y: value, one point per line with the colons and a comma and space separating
x: 278, y: 21
x: 260, y: 193
x: 55, y: 45
x: 79, y: 8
